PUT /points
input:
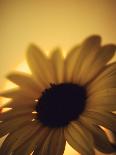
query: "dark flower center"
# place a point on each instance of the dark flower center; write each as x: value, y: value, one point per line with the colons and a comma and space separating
x: 60, y: 104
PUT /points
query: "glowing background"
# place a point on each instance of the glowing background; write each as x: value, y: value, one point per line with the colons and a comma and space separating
x: 51, y: 23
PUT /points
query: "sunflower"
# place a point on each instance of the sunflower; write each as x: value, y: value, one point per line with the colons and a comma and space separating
x: 64, y: 99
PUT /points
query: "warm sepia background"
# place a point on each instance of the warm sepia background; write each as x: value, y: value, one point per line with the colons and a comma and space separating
x: 51, y: 23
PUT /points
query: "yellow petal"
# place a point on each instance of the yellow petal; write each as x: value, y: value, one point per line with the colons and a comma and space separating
x: 114, y: 139
x: 97, y: 64
x: 102, y: 104
x: 18, y: 137
x: 108, y: 92
x: 15, y: 113
x: 105, y: 119
x: 88, y: 48
x: 14, y: 123
x: 70, y: 62
x: 18, y: 93
x: 105, y: 80
x: 102, y: 100
x: 25, y: 81
x: 101, y: 141
x: 19, y: 102
x: 107, y: 83
x: 58, y: 65
x: 109, y: 70
x: 30, y: 145
x: 54, y: 144
x: 79, y: 138
x: 40, y: 66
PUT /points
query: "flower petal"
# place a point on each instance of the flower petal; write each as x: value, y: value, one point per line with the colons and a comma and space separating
x: 102, y: 106
x: 79, y: 138
x: 25, y: 81
x: 58, y: 65
x: 105, y: 119
x: 96, y: 64
x: 40, y: 66
x: 102, y: 100
x: 70, y: 62
x: 101, y: 141
x: 37, y: 139
x: 105, y: 80
x: 88, y: 48
x: 14, y: 113
x: 114, y: 140
x: 14, y: 123
x: 18, y: 137
x: 54, y: 144
x: 19, y: 102
x: 18, y: 93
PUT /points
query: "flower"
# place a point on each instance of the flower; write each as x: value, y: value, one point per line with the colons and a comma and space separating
x: 64, y: 99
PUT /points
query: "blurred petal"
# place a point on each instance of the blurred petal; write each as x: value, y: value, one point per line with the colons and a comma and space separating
x: 25, y: 81
x: 40, y: 66
x: 114, y: 138
x: 54, y: 144
x: 70, y: 62
x: 14, y: 123
x: 19, y: 102
x: 79, y: 138
x: 106, y: 92
x: 101, y: 141
x: 88, y: 49
x: 104, y: 105
x: 36, y: 139
x: 16, y: 92
x: 18, y: 137
x: 103, y: 100
x: 97, y: 64
x: 105, y: 80
x: 105, y: 119
x: 58, y: 65
x: 14, y: 113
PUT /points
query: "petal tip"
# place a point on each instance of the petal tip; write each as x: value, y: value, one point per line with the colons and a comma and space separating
x: 31, y: 47
x: 94, y: 37
x: 110, y: 47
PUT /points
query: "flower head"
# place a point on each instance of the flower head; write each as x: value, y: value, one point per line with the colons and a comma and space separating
x: 63, y: 99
